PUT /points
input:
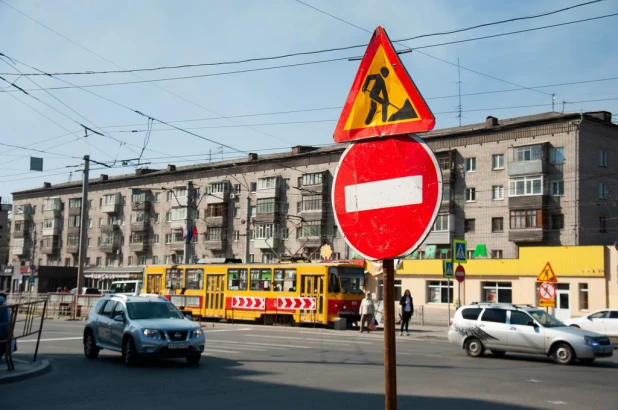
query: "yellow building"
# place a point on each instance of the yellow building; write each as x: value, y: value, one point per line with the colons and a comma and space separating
x: 587, y: 279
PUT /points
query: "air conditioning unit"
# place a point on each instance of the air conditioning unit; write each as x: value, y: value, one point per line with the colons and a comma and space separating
x: 233, y: 196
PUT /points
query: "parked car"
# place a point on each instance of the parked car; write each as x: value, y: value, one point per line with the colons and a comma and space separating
x: 87, y: 291
x: 603, y: 321
x: 141, y: 326
x: 523, y: 329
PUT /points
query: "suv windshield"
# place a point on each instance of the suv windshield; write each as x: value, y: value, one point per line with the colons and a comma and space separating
x: 352, y: 280
x: 155, y: 310
x: 545, y: 319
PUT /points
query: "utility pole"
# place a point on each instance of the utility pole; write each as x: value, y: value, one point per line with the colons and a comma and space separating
x: 83, y: 226
x: 188, y: 228
x: 459, y: 88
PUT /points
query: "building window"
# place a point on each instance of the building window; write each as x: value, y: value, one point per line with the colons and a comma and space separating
x: 469, y: 225
x: 497, y: 292
x: 532, y: 218
x: 74, y: 221
x: 156, y: 218
x: 157, y: 197
x: 253, y: 186
x: 87, y: 263
x: 90, y: 223
x: 168, y: 259
x: 251, y: 258
x: 497, y: 161
x: 528, y: 153
x: 130, y: 260
x: 312, y: 228
x: 100, y: 222
x: 110, y: 199
x: 177, y: 214
x: 267, y: 183
x: 90, y: 203
x: 603, y: 224
x: 471, y: 164
x: 75, y: 203
x: 215, y: 210
x: 438, y: 291
x: 312, y: 202
x: 602, y: 158
x: 497, y: 224
x: 236, y: 236
x: 98, y: 261
x: 88, y: 242
x: 268, y: 257
x: 557, y: 221
x: 557, y: 188
x: 265, y: 231
x: 99, y: 241
x: 398, y: 292
x: 557, y: 155
x: 155, y: 260
x: 285, y: 233
x: 214, y: 234
x: 497, y: 192
x: 441, y: 224
x: 312, y: 179
x: 583, y: 296
x: 496, y: 254
x: 155, y: 239
x: 286, y: 184
x: 217, y: 188
x: 532, y: 185
x: 237, y: 212
x: 141, y: 260
x: 602, y: 191
x: 299, y: 207
x: 267, y: 206
x: 237, y: 188
x: 470, y: 194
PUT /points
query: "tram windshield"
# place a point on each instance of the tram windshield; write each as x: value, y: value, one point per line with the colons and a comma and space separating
x: 352, y: 280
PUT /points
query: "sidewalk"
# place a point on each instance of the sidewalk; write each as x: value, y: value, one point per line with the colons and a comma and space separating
x: 422, y: 332
x: 24, y: 369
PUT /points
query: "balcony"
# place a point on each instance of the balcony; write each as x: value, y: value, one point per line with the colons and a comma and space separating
x: 439, y: 238
x: 141, y: 202
x: 110, y: 228
x: 19, y: 250
x: 22, y: 212
x: 267, y: 218
x: 75, y: 211
x: 177, y: 224
x: 313, y: 215
x: 273, y: 192
x: 310, y: 241
x: 139, y: 246
x: 73, y: 230
x: 73, y: 248
x: 527, y: 235
x: 111, y: 203
x: 140, y: 226
x: 219, y: 197
x: 527, y: 202
x: 50, y: 246
x: 55, y: 231
x: 215, y: 221
x: 215, y: 245
x: 21, y: 231
x: 109, y: 247
x: 266, y: 243
x: 52, y: 208
x: 177, y: 245
x: 527, y: 160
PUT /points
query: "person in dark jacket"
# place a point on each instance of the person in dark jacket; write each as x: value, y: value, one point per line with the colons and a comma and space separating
x: 407, y: 310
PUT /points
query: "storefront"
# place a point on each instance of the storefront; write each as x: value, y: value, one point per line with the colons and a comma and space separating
x: 102, y: 277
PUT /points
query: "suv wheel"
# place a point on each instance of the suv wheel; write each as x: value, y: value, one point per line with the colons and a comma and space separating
x: 474, y: 347
x: 129, y: 355
x: 194, y: 359
x: 562, y: 353
x: 91, y: 351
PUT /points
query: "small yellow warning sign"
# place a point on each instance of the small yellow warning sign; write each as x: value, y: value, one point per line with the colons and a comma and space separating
x: 547, y: 275
x: 547, y: 302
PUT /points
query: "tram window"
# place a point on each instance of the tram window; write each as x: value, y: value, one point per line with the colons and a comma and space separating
x: 333, y: 283
x: 175, y: 278
x: 261, y: 279
x: 285, y: 280
x: 195, y: 279
x: 237, y: 279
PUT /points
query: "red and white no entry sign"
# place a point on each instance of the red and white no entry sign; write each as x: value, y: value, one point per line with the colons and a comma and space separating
x: 547, y: 291
x: 386, y: 195
x: 460, y: 273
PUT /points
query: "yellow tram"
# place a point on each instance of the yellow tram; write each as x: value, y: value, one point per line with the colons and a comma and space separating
x: 217, y: 290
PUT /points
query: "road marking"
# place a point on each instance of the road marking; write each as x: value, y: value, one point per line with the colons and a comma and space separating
x: 263, y: 344
x: 207, y: 350
x: 558, y: 402
x: 49, y: 340
x: 311, y: 340
x: 370, y: 195
x: 533, y: 381
x: 226, y: 330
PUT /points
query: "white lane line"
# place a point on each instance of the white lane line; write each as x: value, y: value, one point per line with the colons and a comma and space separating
x: 262, y: 344
x: 49, y: 340
x: 207, y: 351
x: 558, y: 402
x: 226, y: 330
x: 311, y: 340
x: 370, y: 195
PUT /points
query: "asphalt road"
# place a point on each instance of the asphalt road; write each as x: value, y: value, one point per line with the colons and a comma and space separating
x: 255, y: 367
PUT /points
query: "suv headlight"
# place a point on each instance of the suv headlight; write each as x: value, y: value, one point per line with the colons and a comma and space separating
x: 152, y: 333
x: 590, y: 341
x: 197, y: 333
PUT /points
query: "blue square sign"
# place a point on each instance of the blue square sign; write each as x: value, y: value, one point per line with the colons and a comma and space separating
x: 460, y: 251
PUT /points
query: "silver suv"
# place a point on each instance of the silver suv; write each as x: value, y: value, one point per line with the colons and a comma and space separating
x: 523, y: 329
x: 141, y: 326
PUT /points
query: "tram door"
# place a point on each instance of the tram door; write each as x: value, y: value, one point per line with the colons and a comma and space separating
x: 214, y: 297
x: 312, y: 286
x: 153, y: 284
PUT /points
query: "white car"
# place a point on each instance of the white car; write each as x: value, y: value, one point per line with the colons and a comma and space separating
x: 604, y: 322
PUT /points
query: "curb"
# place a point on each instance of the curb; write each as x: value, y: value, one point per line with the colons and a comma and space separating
x: 42, y: 368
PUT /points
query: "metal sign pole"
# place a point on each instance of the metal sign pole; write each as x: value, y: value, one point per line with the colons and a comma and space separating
x: 448, y: 298
x: 390, y: 370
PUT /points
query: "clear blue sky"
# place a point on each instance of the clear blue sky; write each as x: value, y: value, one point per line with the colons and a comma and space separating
x: 148, y: 33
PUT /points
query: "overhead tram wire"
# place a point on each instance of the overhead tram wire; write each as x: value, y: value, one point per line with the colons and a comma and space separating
x: 243, y: 61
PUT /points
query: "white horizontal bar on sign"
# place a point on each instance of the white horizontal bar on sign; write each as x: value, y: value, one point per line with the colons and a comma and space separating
x: 387, y: 193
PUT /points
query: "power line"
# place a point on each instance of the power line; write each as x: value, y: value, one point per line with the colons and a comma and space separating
x: 242, y: 61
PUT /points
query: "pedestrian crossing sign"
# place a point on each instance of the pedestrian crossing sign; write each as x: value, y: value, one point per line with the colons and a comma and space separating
x: 460, y: 251
x: 384, y: 100
x: 447, y: 269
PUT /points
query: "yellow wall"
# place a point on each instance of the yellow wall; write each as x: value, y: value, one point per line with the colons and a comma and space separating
x: 565, y: 261
x: 612, y: 277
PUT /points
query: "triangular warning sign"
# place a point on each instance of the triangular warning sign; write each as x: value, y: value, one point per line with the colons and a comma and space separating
x: 383, y: 100
x: 547, y: 275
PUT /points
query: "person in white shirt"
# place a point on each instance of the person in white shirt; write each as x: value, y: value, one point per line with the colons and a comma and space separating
x: 366, y: 310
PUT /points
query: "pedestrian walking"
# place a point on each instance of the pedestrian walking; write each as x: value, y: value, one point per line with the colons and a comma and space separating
x: 407, y: 310
x: 367, y: 310
x: 5, y: 319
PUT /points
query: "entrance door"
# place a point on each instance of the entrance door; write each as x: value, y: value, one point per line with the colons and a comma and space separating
x: 563, y: 302
x: 312, y: 286
x: 153, y: 284
x: 214, y: 297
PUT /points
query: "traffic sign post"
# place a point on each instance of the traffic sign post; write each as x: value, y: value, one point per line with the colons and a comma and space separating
x: 460, y: 275
x: 447, y: 271
x: 547, y: 295
x: 386, y: 192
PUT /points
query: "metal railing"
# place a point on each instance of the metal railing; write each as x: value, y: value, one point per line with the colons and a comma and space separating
x: 25, y: 319
x: 424, y: 315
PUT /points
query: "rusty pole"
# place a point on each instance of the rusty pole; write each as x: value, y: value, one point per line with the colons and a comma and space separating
x: 390, y: 370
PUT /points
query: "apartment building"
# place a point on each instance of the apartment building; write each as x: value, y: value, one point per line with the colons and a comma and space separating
x: 540, y: 180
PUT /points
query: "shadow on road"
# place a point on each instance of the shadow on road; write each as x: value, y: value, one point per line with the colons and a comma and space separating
x: 78, y: 383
